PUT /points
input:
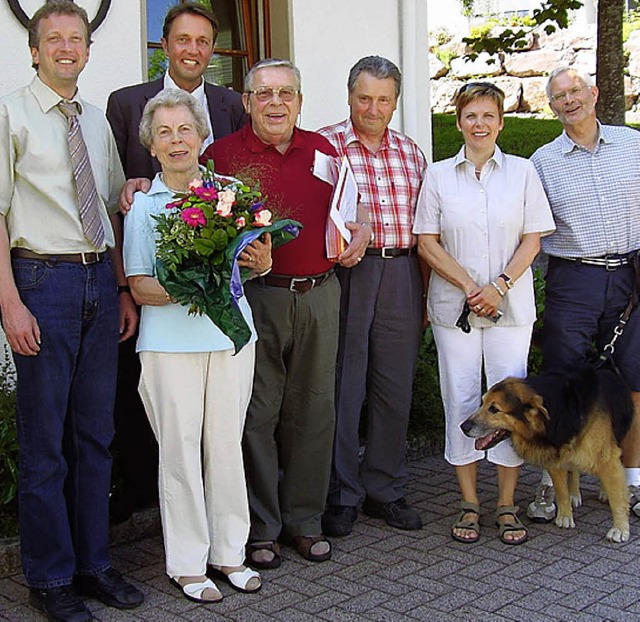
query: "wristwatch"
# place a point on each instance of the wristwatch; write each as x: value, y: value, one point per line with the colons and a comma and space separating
x: 508, y: 281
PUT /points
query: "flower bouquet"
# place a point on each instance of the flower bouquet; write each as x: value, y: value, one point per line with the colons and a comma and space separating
x: 199, y: 239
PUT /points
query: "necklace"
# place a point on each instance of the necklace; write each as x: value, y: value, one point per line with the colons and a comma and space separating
x: 182, y: 191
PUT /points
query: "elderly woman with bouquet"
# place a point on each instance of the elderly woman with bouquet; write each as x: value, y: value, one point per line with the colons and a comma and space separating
x: 194, y: 389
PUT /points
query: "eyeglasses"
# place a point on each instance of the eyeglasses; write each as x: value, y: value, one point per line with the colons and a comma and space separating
x: 266, y: 93
x: 570, y: 94
x: 484, y: 85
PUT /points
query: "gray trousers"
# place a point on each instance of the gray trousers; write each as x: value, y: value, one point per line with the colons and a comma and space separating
x: 380, y: 333
x: 290, y: 420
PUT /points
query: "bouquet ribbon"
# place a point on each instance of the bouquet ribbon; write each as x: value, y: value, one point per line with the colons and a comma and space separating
x: 216, y: 290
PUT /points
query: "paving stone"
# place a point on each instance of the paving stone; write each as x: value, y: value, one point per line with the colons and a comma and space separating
x: 557, y: 612
x: 380, y: 574
x: 611, y: 614
x: 323, y: 601
x: 514, y: 612
x: 620, y: 598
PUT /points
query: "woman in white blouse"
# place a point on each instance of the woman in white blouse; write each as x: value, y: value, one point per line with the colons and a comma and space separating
x: 480, y: 216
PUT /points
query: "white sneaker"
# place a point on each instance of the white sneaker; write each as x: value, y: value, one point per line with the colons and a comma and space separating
x: 634, y: 499
x: 543, y: 509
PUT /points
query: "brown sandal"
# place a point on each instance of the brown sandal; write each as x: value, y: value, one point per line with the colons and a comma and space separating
x: 516, y: 525
x: 304, y: 545
x: 466, y: 507
x: 263, y: 545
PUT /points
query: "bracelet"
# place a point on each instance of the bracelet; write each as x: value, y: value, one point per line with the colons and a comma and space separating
x: 499, y: 289
x: 124, y: 289
x: 508, y: 281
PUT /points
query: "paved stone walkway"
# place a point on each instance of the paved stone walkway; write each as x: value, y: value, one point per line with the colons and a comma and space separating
x: 380, y: 574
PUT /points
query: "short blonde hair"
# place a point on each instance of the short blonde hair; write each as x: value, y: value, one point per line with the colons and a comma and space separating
x: 475, y: 90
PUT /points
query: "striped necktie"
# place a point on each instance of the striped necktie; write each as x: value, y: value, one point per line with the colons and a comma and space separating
x: 85, y: 183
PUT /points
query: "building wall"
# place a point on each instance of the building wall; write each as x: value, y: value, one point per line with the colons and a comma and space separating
x: 116, y: 57
x: 323, y: 38
x: 328, y: 37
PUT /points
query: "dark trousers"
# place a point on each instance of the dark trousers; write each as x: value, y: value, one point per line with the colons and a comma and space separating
x: 583, y: 305
x: 380, y: 333
x: 290, y: 420
x: 135, y: 448
x: 65, y: 419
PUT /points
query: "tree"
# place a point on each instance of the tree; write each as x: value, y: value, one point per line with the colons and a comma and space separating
x: 609, y: 55
x: 610, y: 62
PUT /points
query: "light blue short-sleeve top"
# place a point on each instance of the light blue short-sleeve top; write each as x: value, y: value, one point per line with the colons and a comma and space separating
x: 167, y: 328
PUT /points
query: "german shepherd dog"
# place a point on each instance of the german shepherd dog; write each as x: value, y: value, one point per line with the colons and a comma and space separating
x: 565, y: 422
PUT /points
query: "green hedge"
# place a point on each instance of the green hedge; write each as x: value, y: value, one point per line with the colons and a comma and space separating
x: 8, y: 448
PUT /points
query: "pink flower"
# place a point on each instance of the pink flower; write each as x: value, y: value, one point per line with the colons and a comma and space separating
x: 262, y: 218
x: 174, y: 204
x: 240, y: 222
x: 206, y: 193
x: 195, y: 183
x: 193, y: 217
x: 224, y: 210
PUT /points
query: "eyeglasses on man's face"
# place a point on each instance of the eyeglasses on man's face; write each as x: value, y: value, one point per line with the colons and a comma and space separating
x: 265, y: 94
x: 570, y: 94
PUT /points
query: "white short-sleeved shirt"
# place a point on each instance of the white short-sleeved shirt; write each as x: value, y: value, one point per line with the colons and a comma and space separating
x: 481, y: 224
x: 167, y: 328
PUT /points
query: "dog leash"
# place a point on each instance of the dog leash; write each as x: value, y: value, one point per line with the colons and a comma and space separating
x: 609, y: 349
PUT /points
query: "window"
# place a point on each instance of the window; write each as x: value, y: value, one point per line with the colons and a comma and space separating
x: 242, y: 39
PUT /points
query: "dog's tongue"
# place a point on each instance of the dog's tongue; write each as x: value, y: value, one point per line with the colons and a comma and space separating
x: 488, y: 441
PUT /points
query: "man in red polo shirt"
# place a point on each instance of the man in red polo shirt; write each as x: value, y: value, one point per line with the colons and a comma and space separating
x: 290, y: 421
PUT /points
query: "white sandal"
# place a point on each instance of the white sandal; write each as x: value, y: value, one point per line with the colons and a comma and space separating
x: 239, y: 579
x: 194, y: 591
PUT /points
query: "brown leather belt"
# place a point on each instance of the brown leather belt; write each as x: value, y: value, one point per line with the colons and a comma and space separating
x: 83, y: 258
x: 297, y: 284
x: 387, y: 252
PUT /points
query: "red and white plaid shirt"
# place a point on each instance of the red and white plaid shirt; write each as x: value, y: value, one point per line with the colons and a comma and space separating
x: 388, y: 181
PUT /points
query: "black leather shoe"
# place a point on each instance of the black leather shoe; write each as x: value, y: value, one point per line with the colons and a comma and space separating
x: 395, y: 513
x: 110, y: 588
x: 337, y: 520
x: 59, y: 604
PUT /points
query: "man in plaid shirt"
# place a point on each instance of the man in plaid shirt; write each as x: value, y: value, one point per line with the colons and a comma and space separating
x: 381, y: 312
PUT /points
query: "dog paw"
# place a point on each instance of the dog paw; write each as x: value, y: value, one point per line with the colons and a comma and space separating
x: 602, y: 495
x: 565, y: 522
x: 576, y: 500
x: 617, y: 535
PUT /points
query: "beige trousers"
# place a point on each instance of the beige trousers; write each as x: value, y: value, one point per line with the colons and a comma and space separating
x: 196, y: 404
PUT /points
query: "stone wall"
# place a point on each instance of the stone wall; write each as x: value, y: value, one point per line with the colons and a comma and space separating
x: 522, y: 75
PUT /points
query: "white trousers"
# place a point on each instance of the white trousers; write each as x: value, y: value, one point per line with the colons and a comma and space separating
x: 503, y: 350
x: 196, y: 404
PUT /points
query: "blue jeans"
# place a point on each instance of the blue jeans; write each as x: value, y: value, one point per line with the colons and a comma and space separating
x: 65, y: 419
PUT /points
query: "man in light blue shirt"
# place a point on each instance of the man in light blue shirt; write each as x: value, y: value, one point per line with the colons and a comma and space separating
x: 591, y: 174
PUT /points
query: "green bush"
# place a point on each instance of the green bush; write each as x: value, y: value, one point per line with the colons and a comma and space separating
x: 426, y: 426
x: 8, y: 449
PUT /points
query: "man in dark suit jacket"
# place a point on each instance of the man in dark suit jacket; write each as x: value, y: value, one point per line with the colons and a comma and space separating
x: 188, y: 37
